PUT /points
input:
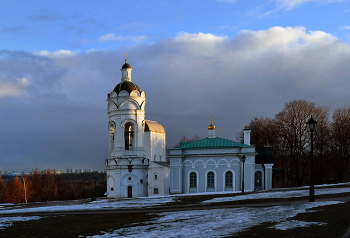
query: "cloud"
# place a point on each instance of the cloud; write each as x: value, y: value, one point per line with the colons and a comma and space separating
x: 15, y: 29
x: 344, y: 28
x: 59, y: 117
x: 12, y: 89
x: 289, y: 4
x: 114, y: 37
x: 56, y: 54
x: 46, y: 17
x: 282, y: 38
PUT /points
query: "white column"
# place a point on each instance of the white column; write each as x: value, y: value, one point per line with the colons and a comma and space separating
x: 268, y: 176
x: 246, y: 132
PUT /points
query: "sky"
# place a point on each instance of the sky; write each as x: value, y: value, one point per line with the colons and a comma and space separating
x: 232, y: 59
x: 192, y: 223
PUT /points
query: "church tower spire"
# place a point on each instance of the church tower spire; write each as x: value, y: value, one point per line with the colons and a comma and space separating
x: 211, y: 129
x: 126, y: 70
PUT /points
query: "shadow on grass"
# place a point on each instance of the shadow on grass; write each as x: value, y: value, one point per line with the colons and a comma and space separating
x: 336, y: 217
x: 75, y: 225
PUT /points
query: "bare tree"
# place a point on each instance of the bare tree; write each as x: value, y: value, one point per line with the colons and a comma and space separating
x: 26, y: 186
x: 294, y: 140
x: 340, y: 139
x: 264, y: 131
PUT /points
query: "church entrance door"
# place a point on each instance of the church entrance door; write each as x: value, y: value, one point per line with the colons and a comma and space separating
x: 129, y: 191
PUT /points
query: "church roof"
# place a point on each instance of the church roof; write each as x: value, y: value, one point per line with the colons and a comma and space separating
x: 127, y: 86
x: 212, y: 143
x: 154, y: 126
x: 163, y: 164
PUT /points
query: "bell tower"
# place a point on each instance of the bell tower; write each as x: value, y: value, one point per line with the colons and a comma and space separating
x: 127, y: 164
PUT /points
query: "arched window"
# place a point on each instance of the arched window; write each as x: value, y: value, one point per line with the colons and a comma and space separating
x: 193, y: 180
x: 228, y: 179
x: 258, y: 180
x: 128, y: 135
x: 111, y: 130
x: 210, y: 180
x: 111, y: 134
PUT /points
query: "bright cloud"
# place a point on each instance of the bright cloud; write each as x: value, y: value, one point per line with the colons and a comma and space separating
x: 200, y: 37
x: 13, y: 89
x: 59, y: 53
x: 114, y: 37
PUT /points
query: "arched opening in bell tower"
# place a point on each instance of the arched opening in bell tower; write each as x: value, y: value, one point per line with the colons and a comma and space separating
x: 111, y: 134
x: 128, y: 135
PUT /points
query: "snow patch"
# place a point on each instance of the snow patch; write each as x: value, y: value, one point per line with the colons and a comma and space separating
x: 294, y: 224
x: 8, y: 221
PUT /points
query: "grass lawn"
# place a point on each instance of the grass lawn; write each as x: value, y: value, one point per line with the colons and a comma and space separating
x: 74, y: 225
x: 336, y: 218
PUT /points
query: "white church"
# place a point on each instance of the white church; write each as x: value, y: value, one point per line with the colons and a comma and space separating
x: 138, y: 166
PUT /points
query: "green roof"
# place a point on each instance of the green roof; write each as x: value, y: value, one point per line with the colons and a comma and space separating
x: 216, y: 142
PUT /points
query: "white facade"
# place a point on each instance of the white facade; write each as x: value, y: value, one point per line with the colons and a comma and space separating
x: 214, y: 164
x: 137, y: 164
x: 134, y: 143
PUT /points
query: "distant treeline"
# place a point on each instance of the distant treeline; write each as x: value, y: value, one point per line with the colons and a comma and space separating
x: 48, y: 185
x: 288, y: 135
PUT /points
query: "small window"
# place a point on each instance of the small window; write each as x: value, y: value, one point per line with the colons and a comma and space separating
x: 112, y: 189
x: 228, y: 179
x: 155, y: 190
x: 193, y: 180
x: 210, y: 180
x: 155, y: 176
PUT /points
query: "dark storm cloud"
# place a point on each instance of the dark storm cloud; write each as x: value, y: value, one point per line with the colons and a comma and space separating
x: 57, y: 118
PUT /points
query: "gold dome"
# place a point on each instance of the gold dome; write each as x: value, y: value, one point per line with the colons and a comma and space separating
x: 211, y: 126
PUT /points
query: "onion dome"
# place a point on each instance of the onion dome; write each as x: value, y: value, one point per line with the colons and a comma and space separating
x: 126, y: 86
x: 126, y: 65
x: 211, y: 126
x: 211, y: 129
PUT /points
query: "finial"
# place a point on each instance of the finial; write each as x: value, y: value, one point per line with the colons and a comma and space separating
x: 211, y: 126
x: 126, y: 57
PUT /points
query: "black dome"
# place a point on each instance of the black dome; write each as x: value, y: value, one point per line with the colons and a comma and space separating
x: 127, y: 86
x: 126, y: 65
